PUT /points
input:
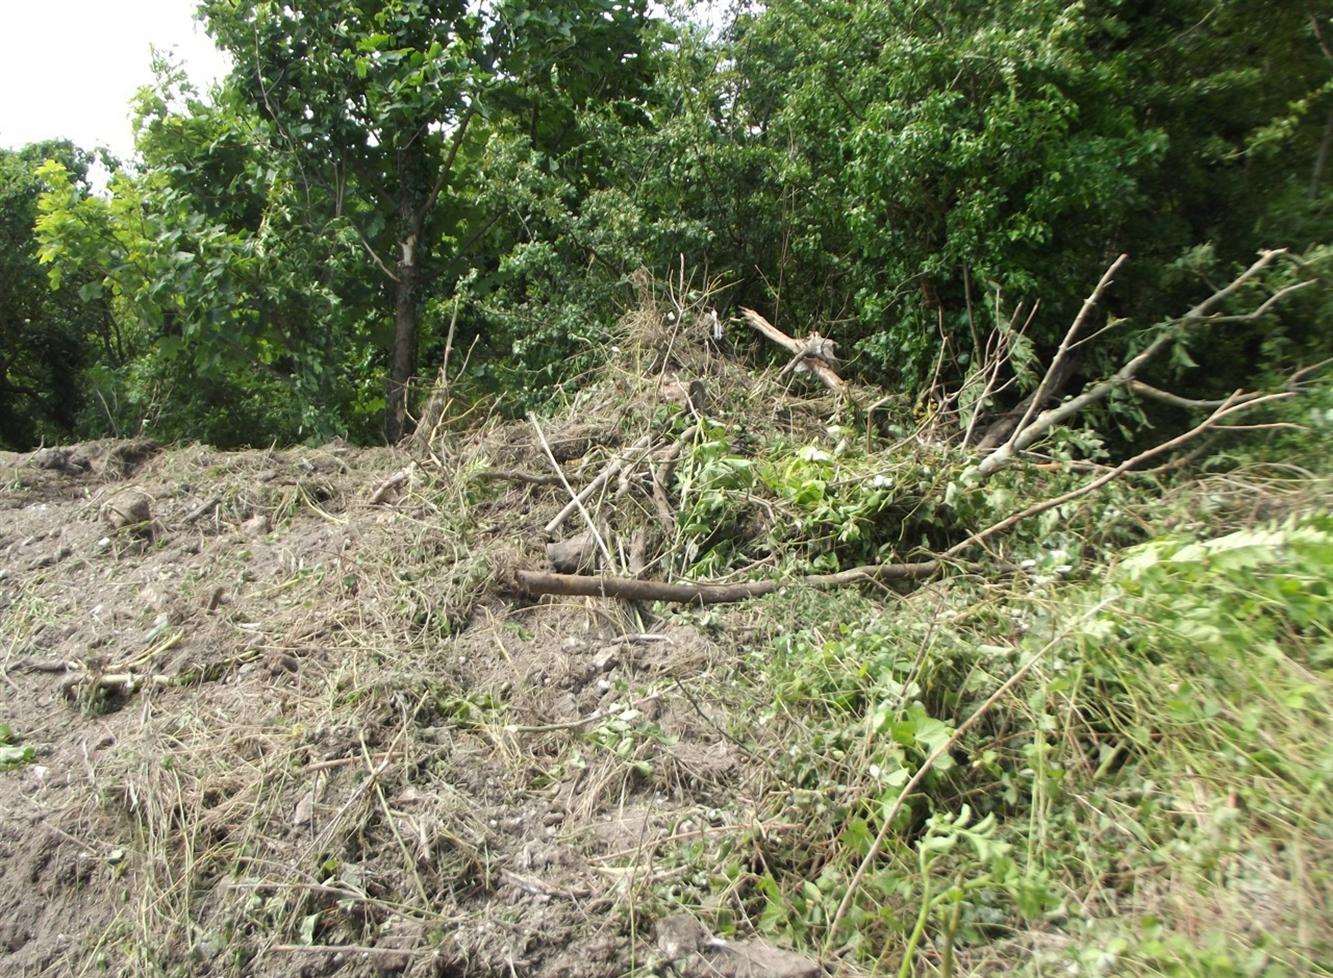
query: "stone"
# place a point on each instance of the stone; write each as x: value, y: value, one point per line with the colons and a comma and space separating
x: 573, y: 555
x: 693, y: 952
x: 129, y: 509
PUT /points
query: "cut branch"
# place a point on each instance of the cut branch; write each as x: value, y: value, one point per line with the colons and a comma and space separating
x: 1166, y: 397
x: 1236, y: 402
x: 1045, y: 388
x: 1026, y: 435
x: 813, y: 358
x: 391, y: 484
x: 633, y: 589
x: 203, y: 508
x: 516, y: 475
x: 575, y: 500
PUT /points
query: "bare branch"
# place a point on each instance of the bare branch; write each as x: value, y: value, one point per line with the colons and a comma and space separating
x: 1200, y: 313
x: 1166, y: 397
x: 812, y: 360
x: 1044, y: 390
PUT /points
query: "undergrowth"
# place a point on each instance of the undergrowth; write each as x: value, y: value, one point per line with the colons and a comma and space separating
x: 1152, y: 799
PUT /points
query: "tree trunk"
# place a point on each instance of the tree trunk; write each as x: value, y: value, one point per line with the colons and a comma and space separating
x: 414, y: 200
x: 1321, y: 157
x: 404, y: 361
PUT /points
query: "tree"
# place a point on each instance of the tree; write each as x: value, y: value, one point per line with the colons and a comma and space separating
x: 878, y: 170
x: 377, y: 104
x: 45, y: 335
x: 234, y: 319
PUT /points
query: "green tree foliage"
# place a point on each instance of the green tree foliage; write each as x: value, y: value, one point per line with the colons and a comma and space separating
x: 287, y: 253
x: 221, y: 312
x: 377, y: 105
x: 875, y: 169
x: 46, y: 334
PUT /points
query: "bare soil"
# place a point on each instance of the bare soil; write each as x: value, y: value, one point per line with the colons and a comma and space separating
x: 276, y: 730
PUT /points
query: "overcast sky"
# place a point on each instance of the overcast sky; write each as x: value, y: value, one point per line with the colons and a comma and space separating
x: 69, y: 67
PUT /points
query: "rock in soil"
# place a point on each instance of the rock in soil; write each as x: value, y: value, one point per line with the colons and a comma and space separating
x: 571, y: 556
x: 128, y: 509
x: 693, y: 952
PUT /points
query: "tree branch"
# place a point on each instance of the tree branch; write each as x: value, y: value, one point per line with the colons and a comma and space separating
x: 799, y: 351
x: 1201, y: 313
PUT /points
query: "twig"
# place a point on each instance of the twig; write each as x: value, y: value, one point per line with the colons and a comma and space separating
x: 575, y: 500
x: 662, y: 476
x: 608, y: 473
x: 575, y: 724
x: 203, y: 508
x: 344, y: 949
x: 633, y: 589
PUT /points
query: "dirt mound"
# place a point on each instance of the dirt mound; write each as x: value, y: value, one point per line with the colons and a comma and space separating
x: 263, y: 727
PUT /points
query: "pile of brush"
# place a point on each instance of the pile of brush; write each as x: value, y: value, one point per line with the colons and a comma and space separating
x: 606, y: 474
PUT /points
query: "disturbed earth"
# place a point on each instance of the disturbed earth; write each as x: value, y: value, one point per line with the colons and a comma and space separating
x: 260, y: 719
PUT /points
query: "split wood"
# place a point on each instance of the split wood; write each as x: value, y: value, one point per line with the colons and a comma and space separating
x: 799, y: 350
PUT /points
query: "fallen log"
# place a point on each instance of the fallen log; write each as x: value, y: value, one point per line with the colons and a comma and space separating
x: 633, y: 589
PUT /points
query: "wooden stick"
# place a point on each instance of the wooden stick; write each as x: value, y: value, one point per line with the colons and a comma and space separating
x: 608, y: 473
x: 826, y: 374
x: 575, y: 501
x: 633, y: 589
x: 344, y: 949
x: 664, y: 473
x: 517, y: 475
x: 202, y: 508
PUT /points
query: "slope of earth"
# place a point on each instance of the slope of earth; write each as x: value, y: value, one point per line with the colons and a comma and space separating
x: 262, y: 733
x: 276, y: 713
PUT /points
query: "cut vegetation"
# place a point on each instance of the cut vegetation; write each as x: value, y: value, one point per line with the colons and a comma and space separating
x: 301, y: 712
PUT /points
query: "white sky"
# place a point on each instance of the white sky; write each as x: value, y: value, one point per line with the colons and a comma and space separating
x: 68, y: 68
